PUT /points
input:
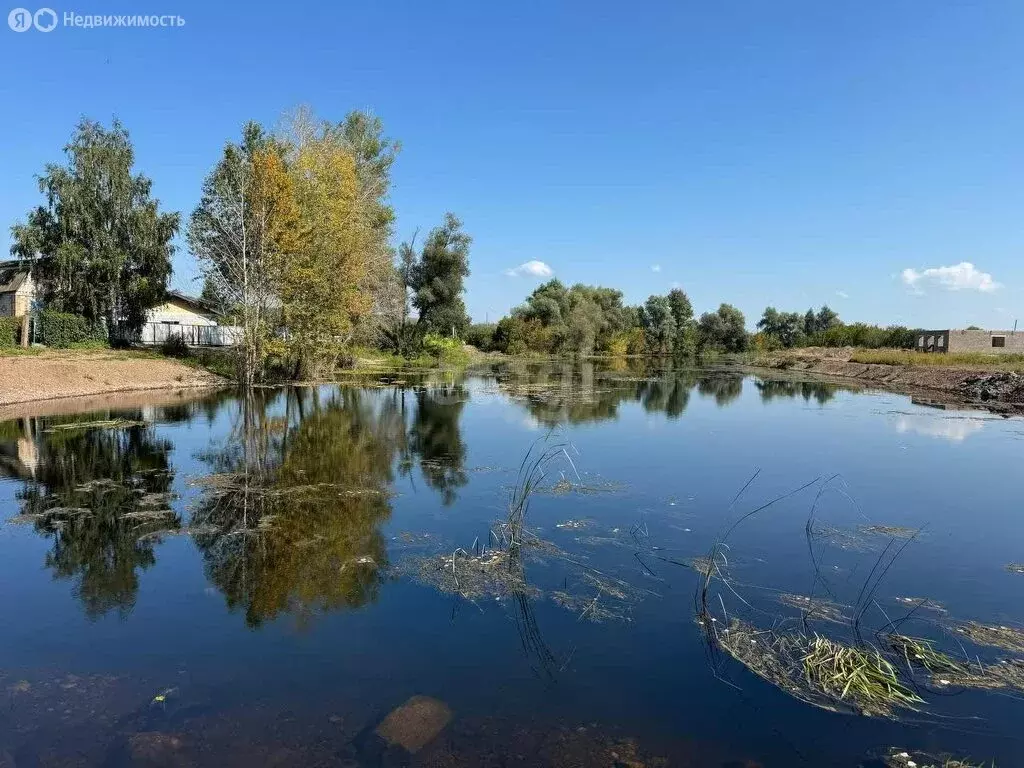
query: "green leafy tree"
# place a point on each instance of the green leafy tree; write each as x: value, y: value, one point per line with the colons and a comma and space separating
x: 826, y: 318
x: 438, y: 279
x: 659, y: 324
x: 810, y: 322
x: 786, y: 327
x: 723, y: 330
x: 99, y: 247
x: 685, y: 341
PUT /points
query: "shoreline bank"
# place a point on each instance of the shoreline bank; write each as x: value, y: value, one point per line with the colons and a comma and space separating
x: 989, y: 388
x: 63, y: 375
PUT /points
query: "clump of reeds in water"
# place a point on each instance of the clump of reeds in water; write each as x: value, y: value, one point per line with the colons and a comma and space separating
x: 497, y: 568
x: 820, y: 671
x: 857, y: 674
x: 918, y: 652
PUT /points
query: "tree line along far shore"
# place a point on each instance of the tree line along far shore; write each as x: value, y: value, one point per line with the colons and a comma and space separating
x: 293, y: 235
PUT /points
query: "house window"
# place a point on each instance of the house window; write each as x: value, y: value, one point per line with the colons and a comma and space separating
x: 998, y: 341
x: 920, y: 342
x: 941, y: 342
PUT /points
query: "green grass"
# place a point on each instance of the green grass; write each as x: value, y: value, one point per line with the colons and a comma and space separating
x: 918, y: 652
x: 19, y: 351
x: 859, y: 675
x: 979, y: 360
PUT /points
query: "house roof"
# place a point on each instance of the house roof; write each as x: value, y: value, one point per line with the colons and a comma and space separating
x: 194, y: 302
x: 13, y: 275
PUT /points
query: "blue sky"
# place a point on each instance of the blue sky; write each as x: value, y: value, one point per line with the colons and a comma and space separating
x: 786, y: 153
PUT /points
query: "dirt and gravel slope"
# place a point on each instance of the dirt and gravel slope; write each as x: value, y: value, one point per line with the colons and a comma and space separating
x: 50, y: 375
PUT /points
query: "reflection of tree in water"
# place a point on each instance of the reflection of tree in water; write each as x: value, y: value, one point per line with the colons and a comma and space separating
x: 436, y: 439
x: 292, y: 522
x: 724, y: 388
x: 821, y: 392
x: 98, y: 493
x: 668, y: 394
x: 585, y: 393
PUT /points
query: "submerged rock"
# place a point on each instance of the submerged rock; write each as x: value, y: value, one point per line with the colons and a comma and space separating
x: 155, y: 748
x: 415, y: 724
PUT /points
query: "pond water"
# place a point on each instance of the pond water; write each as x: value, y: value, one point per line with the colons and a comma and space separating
x: 212, y: 581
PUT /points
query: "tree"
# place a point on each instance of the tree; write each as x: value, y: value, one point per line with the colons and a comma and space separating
x: 324, y: 293
x: 787, y: 327
x: 393, y: 303
x: 243, y: 230
x: 100, y: 247
x: 583, y: 325
x: 549, y: 304
x: 212, y: 296
x: 659, y: 324
x: 724, y: 330
x: 827, y: 318
x: 682, y: 312
x: 438, y: 279
x: 810, y: 323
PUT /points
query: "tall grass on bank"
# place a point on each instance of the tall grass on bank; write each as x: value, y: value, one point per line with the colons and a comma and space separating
x: 904, y: 357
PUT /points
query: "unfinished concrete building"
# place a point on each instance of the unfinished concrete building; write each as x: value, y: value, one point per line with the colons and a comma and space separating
x: 969, y: 340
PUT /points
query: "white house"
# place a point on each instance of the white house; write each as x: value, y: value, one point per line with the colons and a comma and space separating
x: 193, y: 319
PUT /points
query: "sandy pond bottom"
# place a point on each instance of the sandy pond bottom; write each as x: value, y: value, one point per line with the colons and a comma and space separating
x: 332, y: 577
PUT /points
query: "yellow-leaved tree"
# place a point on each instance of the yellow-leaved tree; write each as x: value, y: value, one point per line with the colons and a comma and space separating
x: 323, y: 283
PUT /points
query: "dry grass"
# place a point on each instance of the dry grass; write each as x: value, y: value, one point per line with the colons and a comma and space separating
x: 1005, y: 674
x: 972, y: 360
x: 995, y: 636
x: 900, y: 758
x: 815, y: 608
x: 893, y: 531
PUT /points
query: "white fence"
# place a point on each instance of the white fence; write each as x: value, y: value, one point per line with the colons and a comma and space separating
x: 192, y: 335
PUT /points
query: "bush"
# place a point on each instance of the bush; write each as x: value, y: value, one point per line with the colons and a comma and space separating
x: 10, y: 332
x: 516, y: 336
x: 174, y: 346
x: 444, y: 349
x: 864, y: 335
x: 62, y: 330
x: 481, y: 336
x: 624, y: 343
x: 764, y: 342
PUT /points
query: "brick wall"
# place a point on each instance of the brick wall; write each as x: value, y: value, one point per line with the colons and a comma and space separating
x: 981, y: 341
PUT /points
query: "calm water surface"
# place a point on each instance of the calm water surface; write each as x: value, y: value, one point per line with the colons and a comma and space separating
x: 210, y: 582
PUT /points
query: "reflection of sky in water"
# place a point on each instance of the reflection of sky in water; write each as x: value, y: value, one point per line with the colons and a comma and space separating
x: 955, y: 429
x: 315, y: 612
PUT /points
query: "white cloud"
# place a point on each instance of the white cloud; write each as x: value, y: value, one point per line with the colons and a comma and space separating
x: 957, y: 277
x: 531, y: 269
x: 956, y: 430
x: 655, y: 267
x: 842, y: 294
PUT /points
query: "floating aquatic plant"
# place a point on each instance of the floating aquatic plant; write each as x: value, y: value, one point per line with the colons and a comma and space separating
x: 858, y: 674
x: 815, y: 608
x: 996, y: 636
x: 918, y: 652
